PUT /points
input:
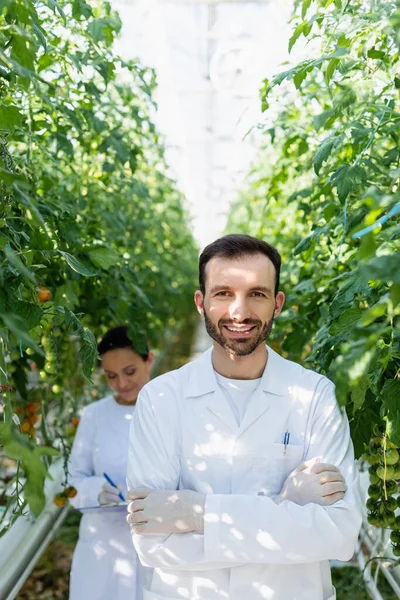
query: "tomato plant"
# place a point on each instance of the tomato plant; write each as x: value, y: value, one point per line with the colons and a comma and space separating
x: 325, y: 191
x: 93, y: 231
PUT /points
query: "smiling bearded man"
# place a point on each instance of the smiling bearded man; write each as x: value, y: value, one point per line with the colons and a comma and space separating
x: 241, y: 466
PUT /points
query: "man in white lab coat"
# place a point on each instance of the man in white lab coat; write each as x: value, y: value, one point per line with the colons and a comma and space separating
x: 246, y: 457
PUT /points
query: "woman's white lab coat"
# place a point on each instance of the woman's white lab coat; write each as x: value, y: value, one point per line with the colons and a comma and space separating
x: 105, y: 565
x: 184, y: 435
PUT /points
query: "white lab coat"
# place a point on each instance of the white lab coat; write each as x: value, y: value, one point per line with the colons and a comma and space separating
x: 105, y: 565
x: 184, y: 435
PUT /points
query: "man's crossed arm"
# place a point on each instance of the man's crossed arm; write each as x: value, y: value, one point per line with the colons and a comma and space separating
x: 182, y: 511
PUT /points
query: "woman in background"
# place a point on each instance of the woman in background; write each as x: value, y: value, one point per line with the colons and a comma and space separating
x: 105, y: 565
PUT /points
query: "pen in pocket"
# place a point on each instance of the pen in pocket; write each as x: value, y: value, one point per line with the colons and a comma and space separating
x: 286, y: 439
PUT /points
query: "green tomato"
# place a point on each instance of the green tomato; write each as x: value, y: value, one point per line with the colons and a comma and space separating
x: 396, y: 475
x: 396, y: 524
x: 372, y: 459
x: 385, y: 474
x: 391, y: 487
x: 47, y: 343
x: 42, y: 375
x: 388, y: 518
x: 11, y: 368
x: 30, y: 351
x: 391, y: 456
x: 396, y: 549
x: 390, y: 504
x: 374, y: 479
x: 56, y: 389
x: 372, y: 504
x: 395, y: 537
x: 374, y: 518
x: 374, y: 491
x: 2, y: 223
x: 50, y: 368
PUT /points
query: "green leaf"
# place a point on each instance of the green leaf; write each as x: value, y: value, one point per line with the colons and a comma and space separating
x: 80, y: 8
x: 346, y: 322
x: 56, y: 7
x: 395, y: 294
x: 358, y: 393
x: 103, y: 257
x: 375, y: 312
x: 376, y: 53
x: 40, y: 36
x: 72, y: 322
x: 305, y: 244
x: 323, y: 153
x: 382, y: 268
x: 137, y: 337
x: 76, y: 265
x: 345, y: 97
x: 361, y: 423
x: 330, y: 69
x: 10, y: 117
x: 29, y: 312
x: 390, y: 395
x: 347, y: 178
x: 104, y: 29
x: 17, y: 263
x: 18, y: 327
x: 305, y: 6
x: 296, y: 34
x: 88, y: 353
x: 324, y: 118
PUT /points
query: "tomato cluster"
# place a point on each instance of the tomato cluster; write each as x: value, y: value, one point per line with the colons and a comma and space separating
x: 29, y: 415
x: 61, y: 499
x: 70, y: 430
x: 384, y: 473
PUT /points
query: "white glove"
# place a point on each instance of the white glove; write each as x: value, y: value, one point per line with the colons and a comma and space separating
x: 313, y: 481
x: 109, y: 494
x: 166, y: 511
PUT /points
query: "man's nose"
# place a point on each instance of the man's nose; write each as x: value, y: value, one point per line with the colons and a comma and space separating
x: 238, y: 309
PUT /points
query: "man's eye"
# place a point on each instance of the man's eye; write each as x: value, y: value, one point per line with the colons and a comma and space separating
x: 221, y: 293
x: 258, y: 294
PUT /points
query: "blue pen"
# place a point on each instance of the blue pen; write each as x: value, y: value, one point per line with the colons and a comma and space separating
x: 110, y: 481
x: 286, y: 441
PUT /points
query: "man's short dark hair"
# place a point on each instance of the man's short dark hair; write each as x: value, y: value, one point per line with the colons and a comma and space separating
x: 117, y: 338
x: 237, y: 246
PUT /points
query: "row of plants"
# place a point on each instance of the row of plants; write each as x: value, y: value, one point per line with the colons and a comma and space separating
x: 325, y: 191
x: 93, y: 232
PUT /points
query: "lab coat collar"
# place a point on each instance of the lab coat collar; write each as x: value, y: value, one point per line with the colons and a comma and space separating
x: 202, y: 379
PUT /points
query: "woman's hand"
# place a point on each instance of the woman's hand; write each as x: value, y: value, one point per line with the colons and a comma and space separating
x: 109, y: 494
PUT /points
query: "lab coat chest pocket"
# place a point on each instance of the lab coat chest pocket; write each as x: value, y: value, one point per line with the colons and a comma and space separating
x: 278, y: 465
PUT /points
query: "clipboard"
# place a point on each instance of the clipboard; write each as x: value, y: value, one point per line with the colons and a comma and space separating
x: 104, y: 506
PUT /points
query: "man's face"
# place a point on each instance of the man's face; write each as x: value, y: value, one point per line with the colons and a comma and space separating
x: 239, y: 305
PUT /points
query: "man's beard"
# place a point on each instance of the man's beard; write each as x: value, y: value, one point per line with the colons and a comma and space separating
x: 239, y: 347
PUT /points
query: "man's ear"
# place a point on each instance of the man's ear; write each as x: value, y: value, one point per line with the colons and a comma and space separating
x: 199, y: 302
x: 279, y: 302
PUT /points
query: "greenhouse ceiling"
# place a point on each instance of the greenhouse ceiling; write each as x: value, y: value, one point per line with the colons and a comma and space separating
x: 210, y: 57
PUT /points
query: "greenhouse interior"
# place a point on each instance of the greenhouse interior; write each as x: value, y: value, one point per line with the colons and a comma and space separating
x: 244, y: 153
